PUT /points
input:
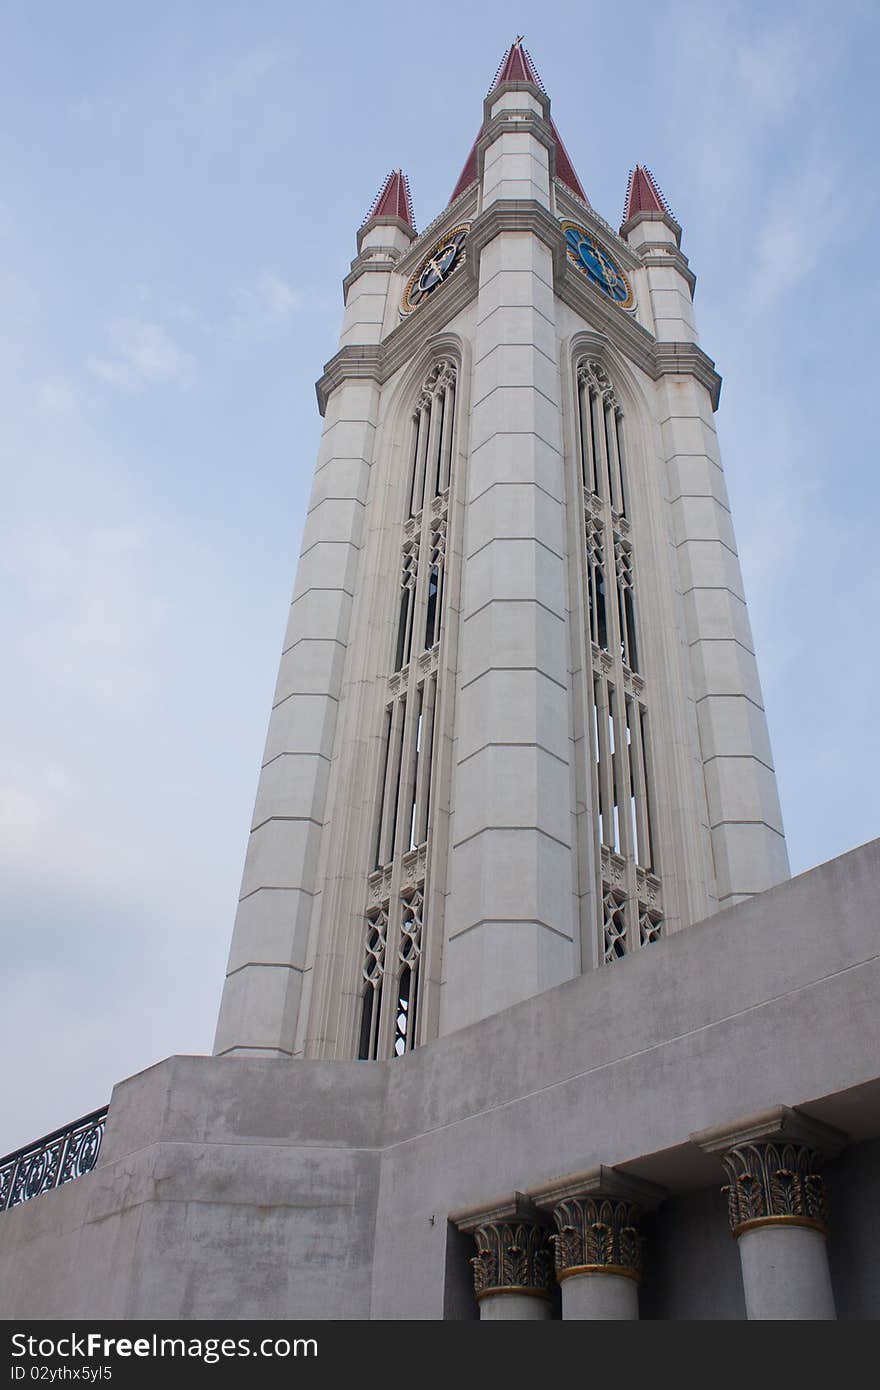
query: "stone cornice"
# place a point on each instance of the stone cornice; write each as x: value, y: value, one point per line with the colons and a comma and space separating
x: 652, y: 216
x: 379, y: 361
x: 519, y: 86
x: 516, y: 1207
x: 779, y: 1123
x: 627, y: 334
x: 668, y: 257
x: 378, y: 260
x: 624, y: 332
x: 517, y: 123
x: 384, y: 221
x: 516, y: 215
x: 687, y: 359
x: 350, y: 363
x: 601, y: 1181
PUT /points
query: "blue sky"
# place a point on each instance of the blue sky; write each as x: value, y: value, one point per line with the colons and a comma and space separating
x: 180, y: 192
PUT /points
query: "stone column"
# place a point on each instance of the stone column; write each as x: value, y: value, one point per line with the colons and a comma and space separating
x: 597, y: 1245
x: 778, y: 1211
x: 513, y: 1266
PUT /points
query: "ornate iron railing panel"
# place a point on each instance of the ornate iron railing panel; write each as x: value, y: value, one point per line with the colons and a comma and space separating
x: 55, y: 1159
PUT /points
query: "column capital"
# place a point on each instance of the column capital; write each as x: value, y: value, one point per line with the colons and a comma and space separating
x: 597, y: 1213
x: 773, y: 1161
x: 513, y: 1255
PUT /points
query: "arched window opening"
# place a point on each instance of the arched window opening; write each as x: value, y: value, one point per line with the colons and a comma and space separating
x: 405, y: 796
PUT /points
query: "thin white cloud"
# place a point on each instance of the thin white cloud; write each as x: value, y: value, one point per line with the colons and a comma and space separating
x: 51, y: 829
x: 746, y: 80
x: 263, y: 307
x: 809, y: 196
x: 88, y: 593
x: 57, y: 397
x: 144, y: 353
x: 240, y: 78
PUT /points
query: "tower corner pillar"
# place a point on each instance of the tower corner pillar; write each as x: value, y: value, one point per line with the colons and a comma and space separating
x: 511, y: 896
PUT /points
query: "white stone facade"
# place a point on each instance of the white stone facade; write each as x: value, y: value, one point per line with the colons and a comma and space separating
x: 517, y: 746
x: 518, y: 729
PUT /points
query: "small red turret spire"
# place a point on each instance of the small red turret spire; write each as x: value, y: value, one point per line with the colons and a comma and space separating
x: 643, y: 194
x: 517, y: 66
x: 393, y: 200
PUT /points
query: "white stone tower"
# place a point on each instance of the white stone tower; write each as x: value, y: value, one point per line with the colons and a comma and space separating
x: 518, y: 731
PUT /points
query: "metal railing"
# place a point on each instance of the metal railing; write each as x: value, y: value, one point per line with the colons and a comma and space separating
x: 57, y: 1158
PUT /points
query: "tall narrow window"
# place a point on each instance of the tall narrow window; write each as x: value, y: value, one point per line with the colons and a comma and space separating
x: 601, y: 437
x: 626, y: 612
x: 596, y: 582
x: 391, y: 1020
x: 630, y: 913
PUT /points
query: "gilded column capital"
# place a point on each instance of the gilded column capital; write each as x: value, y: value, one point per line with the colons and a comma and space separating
x: 773, y: 1163
x: 597, y: 1215
x: 513, y: 1254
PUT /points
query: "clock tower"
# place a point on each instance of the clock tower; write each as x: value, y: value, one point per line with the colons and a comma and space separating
x: 517, y: 734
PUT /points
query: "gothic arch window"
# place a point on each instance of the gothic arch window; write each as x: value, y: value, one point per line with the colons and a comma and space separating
x: 629, y: 895
x: 391, y: 1020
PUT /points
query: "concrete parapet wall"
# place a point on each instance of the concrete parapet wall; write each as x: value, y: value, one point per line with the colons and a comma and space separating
x: 243, y: 1187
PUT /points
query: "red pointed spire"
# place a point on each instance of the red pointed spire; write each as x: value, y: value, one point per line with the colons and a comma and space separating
x: 642, y: 194
x: 393, y: 200
x: 517, y: 66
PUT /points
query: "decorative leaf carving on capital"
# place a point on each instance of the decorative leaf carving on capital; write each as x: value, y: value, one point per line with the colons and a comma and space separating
x: 596, y: 1233
x: 774, y: 1181
x: 512, y: 1255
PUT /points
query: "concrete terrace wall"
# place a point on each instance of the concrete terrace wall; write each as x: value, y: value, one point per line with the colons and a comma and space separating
x: 239, y: 1187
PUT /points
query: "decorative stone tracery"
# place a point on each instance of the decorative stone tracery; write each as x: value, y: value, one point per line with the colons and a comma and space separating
x: 392, y: 1017
x: 621, y: 764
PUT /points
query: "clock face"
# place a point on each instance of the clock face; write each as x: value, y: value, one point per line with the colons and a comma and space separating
x: 597, y: 264
x: 442, y: 260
